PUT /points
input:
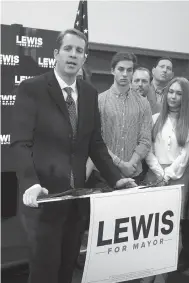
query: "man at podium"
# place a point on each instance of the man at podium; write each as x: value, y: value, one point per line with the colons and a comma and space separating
x: 56, y: 126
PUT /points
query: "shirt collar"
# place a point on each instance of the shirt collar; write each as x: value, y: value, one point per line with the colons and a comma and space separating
x: 62, y: 83
x: 116, y: 92
x: 158, y: 91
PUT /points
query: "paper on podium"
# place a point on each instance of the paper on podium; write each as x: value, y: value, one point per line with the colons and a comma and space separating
x: 68, y: 194
x: 80, y: 193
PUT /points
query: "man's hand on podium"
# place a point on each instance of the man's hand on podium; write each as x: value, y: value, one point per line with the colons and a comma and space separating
x: 125, y: 183
x: 30, y: 196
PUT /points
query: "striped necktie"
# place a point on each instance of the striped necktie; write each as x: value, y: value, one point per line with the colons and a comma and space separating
x: 71, y: 109
x: 73, y: 120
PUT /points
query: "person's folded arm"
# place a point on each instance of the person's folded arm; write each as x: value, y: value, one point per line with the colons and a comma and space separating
x: 177, y: 168
x: 154, y: 165
x: 135, y: 159
x: 115, y: 158
x: 101, y: 105
x: 144, y: 139
x: 98, y: 152
x: 151, y: 159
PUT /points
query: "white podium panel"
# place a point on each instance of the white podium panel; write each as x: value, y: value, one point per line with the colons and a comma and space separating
x: 133, y: 233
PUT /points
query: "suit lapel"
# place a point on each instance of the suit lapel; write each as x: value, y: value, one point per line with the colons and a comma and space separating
x: 82, y: 106
x: 56, y: 93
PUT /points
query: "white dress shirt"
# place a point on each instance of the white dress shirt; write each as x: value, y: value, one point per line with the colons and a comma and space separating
x: 62, y: 85
x: 166, y: 151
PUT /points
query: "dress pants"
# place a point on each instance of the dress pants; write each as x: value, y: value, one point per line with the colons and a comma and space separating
x: 184, y: 256
x: 54, y: 236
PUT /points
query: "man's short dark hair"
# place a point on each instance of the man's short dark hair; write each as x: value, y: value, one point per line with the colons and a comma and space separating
x: 123, y: 56
x: 143, y: 69
x: 163, y: 58
x: 73, y: 31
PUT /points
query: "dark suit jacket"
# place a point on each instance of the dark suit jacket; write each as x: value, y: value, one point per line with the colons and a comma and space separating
x: 151, y: 96
x: 42, y: 136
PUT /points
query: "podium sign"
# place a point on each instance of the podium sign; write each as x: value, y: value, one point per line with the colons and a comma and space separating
x: 133, y: 234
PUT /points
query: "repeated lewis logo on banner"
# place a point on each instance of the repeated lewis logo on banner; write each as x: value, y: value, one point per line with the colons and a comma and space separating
x: 28, y: 41
x: 7, y: 99
x: 46, y: 62
x: 9, y: 59
x: 5, y: 139
x: 18, y: 79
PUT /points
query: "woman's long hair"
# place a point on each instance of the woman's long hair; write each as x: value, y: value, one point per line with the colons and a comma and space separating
x: 182, y: 126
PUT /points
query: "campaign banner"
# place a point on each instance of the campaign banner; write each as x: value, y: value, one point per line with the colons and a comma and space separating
x: 133, y: 234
